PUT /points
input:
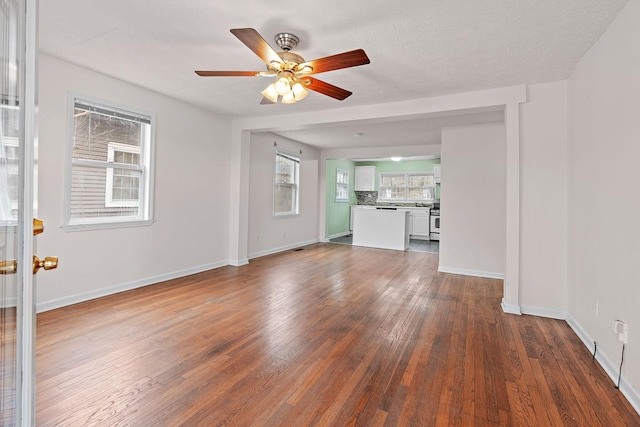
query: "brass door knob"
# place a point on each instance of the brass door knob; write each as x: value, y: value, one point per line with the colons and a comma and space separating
x: 48, y: 263
x: 9, y: 267
x: 38, y: 226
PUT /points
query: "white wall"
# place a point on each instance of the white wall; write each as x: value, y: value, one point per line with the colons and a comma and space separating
x: 268, y: 234
x: 506, y: 97
x: 604, y: 194
x: 191, y: 194
x: 472, y: 236
x: 543, y: 199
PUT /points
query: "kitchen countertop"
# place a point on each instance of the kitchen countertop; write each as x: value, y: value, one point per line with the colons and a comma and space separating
x: 392, y: 206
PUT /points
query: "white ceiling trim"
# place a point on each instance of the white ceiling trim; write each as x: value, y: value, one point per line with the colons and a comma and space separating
x: 403, y: 110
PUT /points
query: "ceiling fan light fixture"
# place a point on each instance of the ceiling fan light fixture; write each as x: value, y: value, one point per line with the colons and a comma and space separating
x: 299, y: 91
x: 289, y: 98
x: 271, y: 93
x: 283, y: 86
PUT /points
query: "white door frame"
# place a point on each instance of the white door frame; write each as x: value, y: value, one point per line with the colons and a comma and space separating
x: 26, y: 315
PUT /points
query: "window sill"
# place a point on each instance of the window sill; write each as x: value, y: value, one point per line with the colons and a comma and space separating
x: 290, y: 215
x: 87, y: 226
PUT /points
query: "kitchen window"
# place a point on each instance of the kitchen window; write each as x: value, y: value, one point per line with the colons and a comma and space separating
x: 109, y: 172
x: 286, y: 190
x: 342, y: 185
x: 406, y: 187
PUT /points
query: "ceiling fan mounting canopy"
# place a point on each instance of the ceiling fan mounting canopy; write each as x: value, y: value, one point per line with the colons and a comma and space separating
x: 293, y: 73
x: 286, y: 41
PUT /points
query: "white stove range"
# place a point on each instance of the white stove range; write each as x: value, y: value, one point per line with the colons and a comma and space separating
x: 434, y: 224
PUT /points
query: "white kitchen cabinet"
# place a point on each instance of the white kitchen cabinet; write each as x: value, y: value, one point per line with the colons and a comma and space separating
x: 353, y: 208
x: 365, y: 178
x: 381, y: 228
x: 436, y: 173
x: 420, y: 224
x: 351, y: 218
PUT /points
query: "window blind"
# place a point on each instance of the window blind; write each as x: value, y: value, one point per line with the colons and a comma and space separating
x: 83, y: 105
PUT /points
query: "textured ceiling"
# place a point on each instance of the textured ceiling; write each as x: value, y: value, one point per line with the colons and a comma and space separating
x: 418, y: 48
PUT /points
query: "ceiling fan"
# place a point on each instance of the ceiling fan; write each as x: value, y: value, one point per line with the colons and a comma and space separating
x: 292, y: 72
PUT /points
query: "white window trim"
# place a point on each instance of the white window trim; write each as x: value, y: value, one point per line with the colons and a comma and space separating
x: 406, y: 198
x: 296, y: 209
x: 146, y: 215
x: 345, y: 185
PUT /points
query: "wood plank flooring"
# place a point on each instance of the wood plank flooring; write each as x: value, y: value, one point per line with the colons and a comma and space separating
x: 7, y: 364
x: 331, y: 335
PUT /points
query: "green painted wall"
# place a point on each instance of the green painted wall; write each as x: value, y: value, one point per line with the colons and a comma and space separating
x: 403, y: 166
x: 338, y: 213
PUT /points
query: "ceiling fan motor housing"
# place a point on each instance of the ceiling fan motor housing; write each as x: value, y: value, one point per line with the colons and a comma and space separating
x: 290, y: 62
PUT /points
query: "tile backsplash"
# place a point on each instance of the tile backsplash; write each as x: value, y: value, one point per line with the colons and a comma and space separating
x: 370, y: 198
x: 366, y: 197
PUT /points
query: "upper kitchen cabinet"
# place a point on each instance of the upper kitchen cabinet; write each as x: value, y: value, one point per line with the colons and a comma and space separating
x: 365, y: 178
x: 436, y: 173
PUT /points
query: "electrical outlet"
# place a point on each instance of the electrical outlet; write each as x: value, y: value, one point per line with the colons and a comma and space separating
x: 622, y: 329
x: 595, y: 308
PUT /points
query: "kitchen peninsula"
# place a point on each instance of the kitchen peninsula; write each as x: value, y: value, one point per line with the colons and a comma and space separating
x: 384, y: 228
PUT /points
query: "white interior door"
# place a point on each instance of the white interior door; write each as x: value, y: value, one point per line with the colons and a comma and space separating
x: 17, y: 212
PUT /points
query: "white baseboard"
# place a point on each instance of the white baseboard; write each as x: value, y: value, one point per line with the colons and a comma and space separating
x: 238, y: 262
x: 632, y: 395
x: 475, y: 273
x: 281, y: 249
x: 510, y: 308
x: 86, y: 296
x: 8, y: 302
x: 544, y: 312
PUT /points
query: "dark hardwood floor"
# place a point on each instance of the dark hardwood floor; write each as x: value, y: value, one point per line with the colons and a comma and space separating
x: 331, y: 335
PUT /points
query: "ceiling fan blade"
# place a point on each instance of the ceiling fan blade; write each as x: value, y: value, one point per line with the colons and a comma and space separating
x: 341, y: 60
x: 227, y: 73
x: 326, y: 88
x: 257, y: 44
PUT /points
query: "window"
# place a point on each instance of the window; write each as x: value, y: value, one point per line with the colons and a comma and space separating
x: 287, y: 184
x: 406, y: 187
x: 109, y: 177
x: 342, y: 185
x: 123, y: 185
x: 9, y: 174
